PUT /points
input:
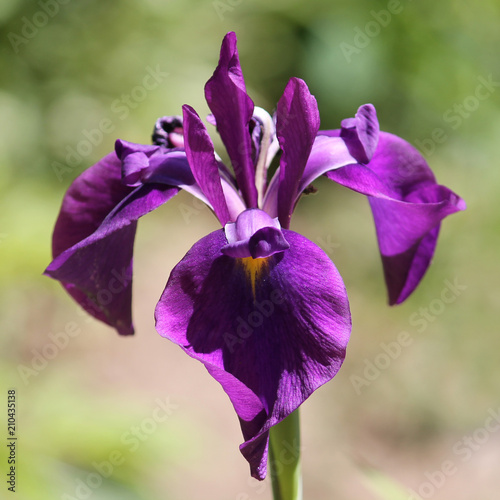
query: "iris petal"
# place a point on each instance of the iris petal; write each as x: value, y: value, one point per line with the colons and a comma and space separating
x: 94, y: 236
x: 407, y: 233
x: 88, y: 201
x: 407, y: 205
x: 361, y: 133
x: 201, y: 156
x: 297, y: 124
x: 154, y: 164
x: 232, y: 108
x: 270, y: 343
x: 327, y: 153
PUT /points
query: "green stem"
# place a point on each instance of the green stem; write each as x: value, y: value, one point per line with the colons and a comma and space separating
x: 284, y: 458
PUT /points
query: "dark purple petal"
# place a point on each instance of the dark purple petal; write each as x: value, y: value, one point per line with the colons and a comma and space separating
x: 232, y: 108
x: 407, y: 205
x: 89, y: 199
x: 93, y: 240
x: 124, y: 148
x: 361, y: 133
x: 152, y: 164
x: 407, y: 235
x: 297, y: 124
x: 403, y: 272
x: 271, y: 331
x: 254, y: 234
x: 201, y: 157
x: 134, y: 168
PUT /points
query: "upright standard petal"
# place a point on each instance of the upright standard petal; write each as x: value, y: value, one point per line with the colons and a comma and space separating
x: 270, y: 330
x: 407, y: 205
x: 201, y: 157
x: 297, y: 124
x: 94, y: 236
x: 232, y: 108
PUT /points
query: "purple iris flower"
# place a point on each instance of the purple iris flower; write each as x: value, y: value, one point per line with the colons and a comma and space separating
x: 262, y: 307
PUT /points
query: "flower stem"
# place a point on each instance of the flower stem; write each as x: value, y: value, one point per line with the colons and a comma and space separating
x: 284, y: 458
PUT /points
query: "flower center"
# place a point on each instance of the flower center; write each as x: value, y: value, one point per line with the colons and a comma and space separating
x: 168, y: 132
x: 253, y: 269
x: 254, y: 234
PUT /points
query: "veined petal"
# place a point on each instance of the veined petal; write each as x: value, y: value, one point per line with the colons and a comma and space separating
x: 93, y: 240
x: 201, y: 157
x: 407, y: 205
x: 297, y: 124
x: 271, y: 331
x: 232, y: 108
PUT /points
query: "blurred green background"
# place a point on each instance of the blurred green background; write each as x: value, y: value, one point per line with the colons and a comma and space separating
x: 138, y: 410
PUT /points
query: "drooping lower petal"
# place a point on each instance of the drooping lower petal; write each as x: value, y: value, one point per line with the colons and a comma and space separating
x: 94, y: 236
x: 407, y: 205
x: 89, y: 199
x: 407, y: 233
x: 270, y: 330
x: 97, y: 271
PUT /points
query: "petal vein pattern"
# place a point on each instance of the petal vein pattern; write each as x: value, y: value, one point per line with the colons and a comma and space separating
x: 269, y: 348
